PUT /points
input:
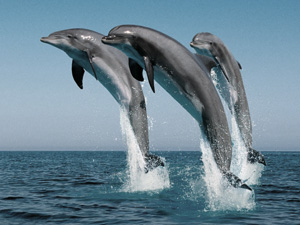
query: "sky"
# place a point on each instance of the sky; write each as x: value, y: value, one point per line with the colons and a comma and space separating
x: 43, y: 109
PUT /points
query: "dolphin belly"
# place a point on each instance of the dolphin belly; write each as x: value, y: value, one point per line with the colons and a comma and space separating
x: 190, y: 104
x: 224, y: 88
x: 130, y: 97
x: 211, y: 126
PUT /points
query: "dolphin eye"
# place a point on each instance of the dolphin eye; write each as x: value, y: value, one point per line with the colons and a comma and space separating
x: 210, y: 43
x: 69, y: 36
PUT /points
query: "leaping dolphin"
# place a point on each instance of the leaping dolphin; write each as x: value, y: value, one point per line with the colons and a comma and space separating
x: 178, y: 71
x: 110, y: 67
x: 210, y: 45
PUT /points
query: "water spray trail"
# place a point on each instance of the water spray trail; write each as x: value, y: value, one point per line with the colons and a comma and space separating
x: 221, y: 196
x: 138, y: 180
x: 239, y: 164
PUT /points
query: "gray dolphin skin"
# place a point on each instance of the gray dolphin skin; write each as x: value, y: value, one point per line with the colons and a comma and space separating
x: 210, y: 45
x: 185, y: 78
x: 110, y: 68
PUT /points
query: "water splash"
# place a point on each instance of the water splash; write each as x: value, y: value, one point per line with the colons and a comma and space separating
x: 249, y: 173
x: 220, y: 195
x: 137, y: 179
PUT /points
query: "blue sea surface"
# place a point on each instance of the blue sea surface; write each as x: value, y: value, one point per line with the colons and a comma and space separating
x: 88, y: 188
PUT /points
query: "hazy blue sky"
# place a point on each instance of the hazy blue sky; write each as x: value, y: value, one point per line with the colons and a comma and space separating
x: 43, y: 109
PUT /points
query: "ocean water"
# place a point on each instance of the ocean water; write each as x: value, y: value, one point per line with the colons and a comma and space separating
x: 97, y: 188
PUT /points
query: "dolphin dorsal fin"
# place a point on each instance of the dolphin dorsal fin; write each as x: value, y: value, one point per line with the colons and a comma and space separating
x: 150, y: 72
x: 77, y: 72
x: 136, y: 70
x: 207, y: 61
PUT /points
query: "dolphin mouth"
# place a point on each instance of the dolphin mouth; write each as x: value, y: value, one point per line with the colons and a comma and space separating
x: 44, y: 39
x: 108, y: 38
x: 47, y: 40
x: 51, y: 39
x: 114, y: 39
x: 198, y: 45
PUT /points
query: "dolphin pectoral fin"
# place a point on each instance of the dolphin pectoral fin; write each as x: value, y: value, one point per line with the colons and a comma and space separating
x: 240, y: 66
x: 136, y: 70
x: 235, y: 181
x: 207, y: 61
x: 150, y: 72
x: 255, y: 156
x: 77, y: 72
x: 153, y: 161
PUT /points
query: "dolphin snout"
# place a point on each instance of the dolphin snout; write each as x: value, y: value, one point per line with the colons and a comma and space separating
x: 43, y: 39
x: 108, y: 39
x: 46, y: 40
x: 49, y: 40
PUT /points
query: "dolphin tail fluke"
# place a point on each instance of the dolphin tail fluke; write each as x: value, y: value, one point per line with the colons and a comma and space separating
x: 255, y: 156
x: 235, y: 181
x: 153, y: 161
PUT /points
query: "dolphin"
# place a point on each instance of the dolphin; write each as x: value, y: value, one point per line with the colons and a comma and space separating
x: 110, y: 67
x: 210, y: 45
x: 185, y: 78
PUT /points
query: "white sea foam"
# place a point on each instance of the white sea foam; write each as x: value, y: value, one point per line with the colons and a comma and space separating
x: 220, y: 195
x: 137, y: 179
x: 249, y: 173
